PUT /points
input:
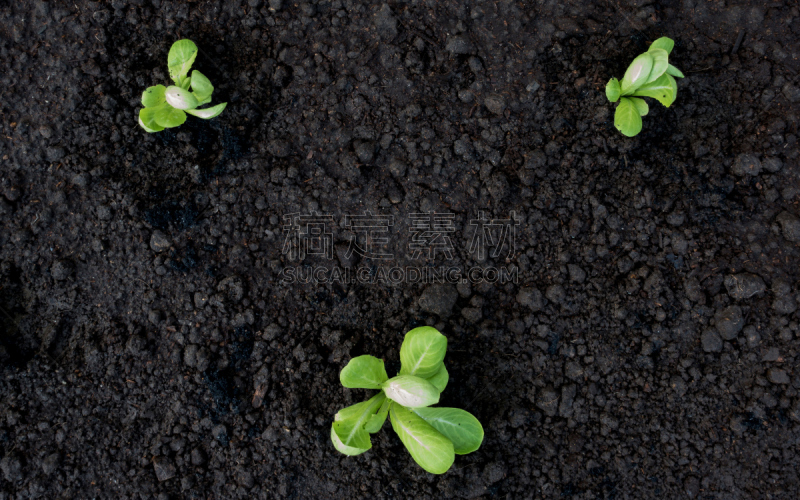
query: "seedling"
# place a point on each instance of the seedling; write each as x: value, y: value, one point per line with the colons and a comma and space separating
x: 166, y: 107
x: 649, y: 75
x: 433, y: 436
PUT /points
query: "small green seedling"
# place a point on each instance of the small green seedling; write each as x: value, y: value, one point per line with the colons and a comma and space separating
x: 649, y: 75
x: 431, y: 435
x: 166, y: 107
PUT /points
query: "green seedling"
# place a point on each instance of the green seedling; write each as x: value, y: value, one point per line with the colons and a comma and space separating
x: 433, y: 436
x: 649, y: 75
x: 166, y: 107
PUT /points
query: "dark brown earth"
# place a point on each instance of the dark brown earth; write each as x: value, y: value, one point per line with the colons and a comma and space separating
x: 149, y: 347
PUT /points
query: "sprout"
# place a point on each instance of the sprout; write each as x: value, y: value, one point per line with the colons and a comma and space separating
x: 649, y: 75
x: 166, y: 107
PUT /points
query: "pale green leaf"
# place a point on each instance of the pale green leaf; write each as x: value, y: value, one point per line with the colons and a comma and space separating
x: 185, y: 82
x: 180, y: 59
x: 168, y: 117
x: 411, y: 391
x: 422, y: 351
x: 154, y: 96
x: 364, y: 372
x: 636, y: 74
x: 612, y: 90
x: 627, y: 118
x: 179, y: 98
x: 660, y: 64
x: 663, y: 43
x: 147, y: 119
x: 457, y: 425
x: 208, y: 113
x: 201, y: 86
x: 661, y: 90
x: 376, y: 421
x: 358, y: 439
x: 358, y: 410
x: 427, y: 446
x: 641, y: 105
x: 348, y: 431
x: 674, y: 84
x: 440, y: 378
x: 672, y: 70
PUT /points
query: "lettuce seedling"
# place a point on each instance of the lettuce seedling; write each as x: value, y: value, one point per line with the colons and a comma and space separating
x: 649, y: 75
x: 166, y: 107
x: 433, y: 436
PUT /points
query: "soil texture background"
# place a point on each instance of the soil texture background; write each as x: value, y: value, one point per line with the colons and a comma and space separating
x: 150, y: 346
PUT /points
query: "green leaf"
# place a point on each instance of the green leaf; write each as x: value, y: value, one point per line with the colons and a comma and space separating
x: 660, y: 64
x: 457, y: 425
x: 208, y: 113
x: 422, y: 351
x: 168, y: 117
x: 612, y: 90
x: 201, y: 86
x: 674, y: 84
x: 627, y: 118
x: 376, y: 421
x: 359, y: 409
x: 673, y: 71
x: 411, y: 391
x: 636, y: 73
x: 357, y: 439
x: 181, y: 57
x: 663, y: 43
x: 348, y: 432
x: 660, y: 90
x: 147, y: 120
x: 440, y: 378
x: 154, y: 96
x: 641, y: 105
x: 179, y: 98
x: 364, y: 372
x: 427, y: 446
x: 185, y: 83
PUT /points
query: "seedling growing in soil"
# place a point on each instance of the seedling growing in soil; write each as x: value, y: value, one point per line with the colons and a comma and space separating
x: 431, y: 435
x: 649, y: 75
x: 166, y: 107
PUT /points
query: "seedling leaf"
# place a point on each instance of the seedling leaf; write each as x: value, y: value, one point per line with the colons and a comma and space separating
x: 357, y: 410
x: 348, y: 432
x: 376, y: 421
x: 411, y: 391
x: 457, y: 425
x: 636, y: 74
x: 364, y: 372
x: 674, y: 84
x: 168, y: 117
x: 661, y: 90
x: 147, y: 120
x: 427, y: 446
x: 440, y: 378
x: 673, y: 71
x: 613, y: 90
x: 201, y: 86
x: 179, y: 98
x: 154, y: 96
x: 422, y: 352
x: 641, y: 105
x: 660, y: 64
x: 664, y: 43
x: 208, y: 113
x: 356, y: 442
x: 181, y: 57
x: 627, y: 118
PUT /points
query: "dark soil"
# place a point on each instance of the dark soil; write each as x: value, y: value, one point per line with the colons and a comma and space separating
x: 149, y: 348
